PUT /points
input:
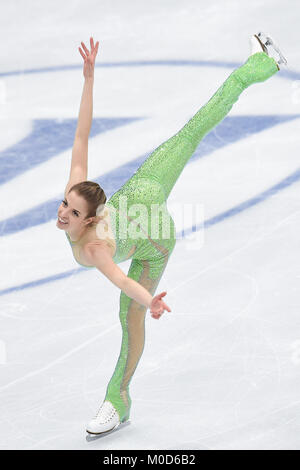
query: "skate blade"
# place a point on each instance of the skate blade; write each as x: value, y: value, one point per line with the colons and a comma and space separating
x: 272, y: 48
x: 103, y: 432
x: 121, y: 424
x: 261, y: 44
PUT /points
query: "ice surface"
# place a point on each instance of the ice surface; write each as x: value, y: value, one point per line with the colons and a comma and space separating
x: 221, y: 371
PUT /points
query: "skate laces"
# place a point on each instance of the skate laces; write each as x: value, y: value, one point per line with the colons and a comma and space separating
x: 105, y: 413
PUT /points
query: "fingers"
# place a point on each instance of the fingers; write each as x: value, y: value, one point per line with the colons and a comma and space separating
x: 94, y: 48
x: 82, y: 54
x: 86, y: 55
x: 159, y: 305
x: 159, y: 296
x: 84, y: 48
x: 156, y: 316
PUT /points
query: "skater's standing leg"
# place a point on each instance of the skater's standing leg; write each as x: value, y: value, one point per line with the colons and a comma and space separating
x: 132, y: 317
x: 117, y: 402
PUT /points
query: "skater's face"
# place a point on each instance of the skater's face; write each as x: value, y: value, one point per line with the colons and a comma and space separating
x: 72, y: 213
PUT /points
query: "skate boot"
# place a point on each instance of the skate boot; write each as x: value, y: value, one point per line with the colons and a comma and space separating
x: 106, y: 419
x: 260, y: 65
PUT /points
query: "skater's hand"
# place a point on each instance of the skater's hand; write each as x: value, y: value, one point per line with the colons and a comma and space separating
x: 89, y: 58
x: 158, y: 306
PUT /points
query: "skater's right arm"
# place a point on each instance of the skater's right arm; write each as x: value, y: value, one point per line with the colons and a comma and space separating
x: 79, y: 161
x: 99, y: 256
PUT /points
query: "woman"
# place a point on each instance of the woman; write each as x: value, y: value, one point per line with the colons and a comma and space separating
x: 93, y: 225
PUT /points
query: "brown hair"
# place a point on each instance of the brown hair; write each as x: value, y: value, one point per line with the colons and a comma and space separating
x: 93, y: 195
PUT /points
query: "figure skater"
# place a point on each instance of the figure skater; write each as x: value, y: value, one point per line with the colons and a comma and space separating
x: 93, y: 225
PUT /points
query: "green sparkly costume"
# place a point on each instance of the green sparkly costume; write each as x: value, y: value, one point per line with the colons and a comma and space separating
x: 152, y: 183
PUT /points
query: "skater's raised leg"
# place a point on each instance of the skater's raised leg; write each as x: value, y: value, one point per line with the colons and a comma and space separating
x: 166, y: 163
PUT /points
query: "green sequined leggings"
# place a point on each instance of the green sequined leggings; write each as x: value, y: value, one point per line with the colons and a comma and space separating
x: 151, y: 183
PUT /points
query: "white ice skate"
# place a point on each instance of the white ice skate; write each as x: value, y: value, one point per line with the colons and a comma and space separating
x: 262, y: 42
x: 106, y: 419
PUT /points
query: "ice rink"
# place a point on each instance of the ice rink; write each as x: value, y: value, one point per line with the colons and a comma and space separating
x: 222, y: 370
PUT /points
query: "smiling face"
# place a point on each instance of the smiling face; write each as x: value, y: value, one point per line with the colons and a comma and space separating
x: 72, y: 213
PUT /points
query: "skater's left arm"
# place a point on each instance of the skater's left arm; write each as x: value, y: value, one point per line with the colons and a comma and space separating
x: 79, y: 162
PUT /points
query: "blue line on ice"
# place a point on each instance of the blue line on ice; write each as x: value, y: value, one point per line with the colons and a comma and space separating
x: 48, y: 138
x: 114, y: 177
x: 230, y: 130
x: 293, y: 178
x: 284, y: 73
